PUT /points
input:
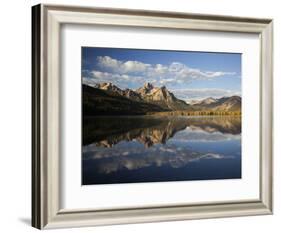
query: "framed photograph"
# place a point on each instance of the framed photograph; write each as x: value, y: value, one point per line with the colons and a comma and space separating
x: 143, y: 116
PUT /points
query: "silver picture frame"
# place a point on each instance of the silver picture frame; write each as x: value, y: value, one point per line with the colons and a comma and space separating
x: 46, y: 141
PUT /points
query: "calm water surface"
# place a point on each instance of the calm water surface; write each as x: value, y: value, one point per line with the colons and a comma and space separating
x: 153, y: 149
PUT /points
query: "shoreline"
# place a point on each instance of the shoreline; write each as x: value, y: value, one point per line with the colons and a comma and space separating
x: 196, y: 113
x: 164, y: 114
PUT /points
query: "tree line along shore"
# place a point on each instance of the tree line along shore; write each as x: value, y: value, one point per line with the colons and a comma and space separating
x: 196, y: 113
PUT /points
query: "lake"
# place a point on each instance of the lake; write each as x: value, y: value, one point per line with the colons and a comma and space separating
x: 131, y: 149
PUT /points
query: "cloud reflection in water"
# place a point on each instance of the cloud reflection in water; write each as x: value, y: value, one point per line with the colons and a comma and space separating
x: 158, y: 142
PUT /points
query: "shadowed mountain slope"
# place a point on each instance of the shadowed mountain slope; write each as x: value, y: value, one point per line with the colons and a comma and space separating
x: 101, y: 102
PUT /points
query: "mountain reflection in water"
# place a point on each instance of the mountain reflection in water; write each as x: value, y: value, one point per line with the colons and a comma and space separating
x: 149, y: 148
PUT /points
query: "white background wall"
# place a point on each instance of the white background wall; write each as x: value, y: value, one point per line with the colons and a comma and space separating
x: 15, y: 123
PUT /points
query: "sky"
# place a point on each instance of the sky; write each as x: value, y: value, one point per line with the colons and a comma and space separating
x: 189, y: 75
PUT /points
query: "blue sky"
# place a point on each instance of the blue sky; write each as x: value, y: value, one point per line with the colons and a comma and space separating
x: 189, y: 75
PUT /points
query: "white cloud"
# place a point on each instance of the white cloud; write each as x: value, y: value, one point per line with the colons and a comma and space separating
x: 174, y: 73
x: 121, y: 80
x: 121, y: 67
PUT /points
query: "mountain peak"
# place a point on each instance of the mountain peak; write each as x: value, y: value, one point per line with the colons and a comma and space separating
x: 147, y: 88
x: 108, y: 86
x: 148, y: 85
x: 104, y: 85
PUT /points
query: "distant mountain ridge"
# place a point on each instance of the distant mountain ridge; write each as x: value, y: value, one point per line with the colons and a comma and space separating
x: 108, y: 99
x: 207, y: 101
x: 148, y: 93
x: 232, y: 103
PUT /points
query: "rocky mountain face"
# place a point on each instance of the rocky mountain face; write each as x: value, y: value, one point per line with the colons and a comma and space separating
x: 109, y: 87
x: 161, y: 96
x: 148, y: 93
